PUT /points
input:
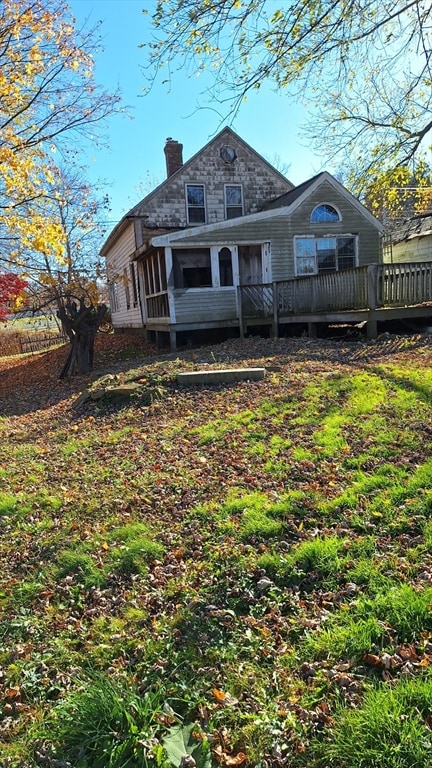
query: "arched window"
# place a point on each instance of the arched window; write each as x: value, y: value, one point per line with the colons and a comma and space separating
x: 325, y: 212
x: 225, y: 267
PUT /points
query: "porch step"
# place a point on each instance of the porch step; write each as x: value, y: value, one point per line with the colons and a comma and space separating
x: 221, y: 376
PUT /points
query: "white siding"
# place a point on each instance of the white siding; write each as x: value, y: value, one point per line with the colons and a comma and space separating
x: 117, y: 261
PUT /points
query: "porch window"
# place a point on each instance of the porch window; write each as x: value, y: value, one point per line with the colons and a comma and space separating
x: 233, y: 201
x: 192, y: 268
x: 225, y: 267
x: 325, y: 213
x: 195, y: 197
x: 318, y: 255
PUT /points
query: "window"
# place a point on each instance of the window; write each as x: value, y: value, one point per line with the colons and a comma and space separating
x: 305, y: 255
x: 126, y: 287
x: 195, y: 203
x: 192, y: 268
x: 318, y: 255
x: 233, y: 201
x: 113, y: 297
x: 325, y: 213
x: 225, y: 267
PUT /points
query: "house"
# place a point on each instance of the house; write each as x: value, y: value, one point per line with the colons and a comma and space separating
x: 225, y: 219
x: 412, y: 240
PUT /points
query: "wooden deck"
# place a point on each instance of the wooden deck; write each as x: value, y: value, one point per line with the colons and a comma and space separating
x: 374, y: 293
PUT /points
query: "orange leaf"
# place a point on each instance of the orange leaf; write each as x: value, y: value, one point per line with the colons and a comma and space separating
x: 13, y: 692
x: 237, y: 759
x: 219, y: 695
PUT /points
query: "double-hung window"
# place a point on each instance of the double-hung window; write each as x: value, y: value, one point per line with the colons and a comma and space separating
x: 195, y: 203
x: 233, y: 201
x: 318, y: 255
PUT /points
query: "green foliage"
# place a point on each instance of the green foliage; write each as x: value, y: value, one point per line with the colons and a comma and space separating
x: 136, y: 550
x: 187, y: 739
x: 8, y: 504
x: 70, y: 562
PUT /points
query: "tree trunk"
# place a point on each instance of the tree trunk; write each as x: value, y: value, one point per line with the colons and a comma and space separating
x: 81, y: 325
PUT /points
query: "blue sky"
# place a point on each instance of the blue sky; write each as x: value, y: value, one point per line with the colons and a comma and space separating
x: 134, y: 161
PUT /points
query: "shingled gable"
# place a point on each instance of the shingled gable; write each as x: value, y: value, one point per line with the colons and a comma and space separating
x: 140, y: 212
x: 225, y: 135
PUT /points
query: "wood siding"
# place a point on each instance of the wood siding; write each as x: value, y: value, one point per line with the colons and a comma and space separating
x: 205, y: 306
x: 117, y: 263
x: 352, y: 223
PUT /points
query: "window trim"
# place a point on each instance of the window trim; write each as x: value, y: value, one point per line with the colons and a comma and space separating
x: 195, y: 207
x: 226, y: 206
x: 323, y: 221
x: 315, y: 238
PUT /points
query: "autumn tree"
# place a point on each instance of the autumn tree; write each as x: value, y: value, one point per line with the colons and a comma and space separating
x: 48, y: 103
x: 12, y: 294
x: 365, y: 64
x: 399, y: 193
x: 49, y: 107
x: 69, y: 284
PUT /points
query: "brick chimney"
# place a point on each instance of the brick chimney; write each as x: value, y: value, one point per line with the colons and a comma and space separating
x: 174, y: 156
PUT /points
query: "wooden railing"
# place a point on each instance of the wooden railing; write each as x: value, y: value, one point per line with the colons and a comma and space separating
x: 401, y: 285
x: 371, y: 287
x: 157, y: 305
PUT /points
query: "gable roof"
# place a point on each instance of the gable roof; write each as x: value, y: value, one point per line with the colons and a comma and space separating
x: 225, y: 133
x: 139, y: 209
x: 285, y: 205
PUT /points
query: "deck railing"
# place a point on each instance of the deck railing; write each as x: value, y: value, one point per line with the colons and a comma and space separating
x: 371, y: 287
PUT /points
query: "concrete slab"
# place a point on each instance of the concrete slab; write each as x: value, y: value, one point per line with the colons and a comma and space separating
x: 227, y: 376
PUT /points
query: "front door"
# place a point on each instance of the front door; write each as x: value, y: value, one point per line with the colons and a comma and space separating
x: 250, y: 264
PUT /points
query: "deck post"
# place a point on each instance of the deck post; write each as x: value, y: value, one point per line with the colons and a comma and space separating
x: 173, y: 340
x: 275, y: 325
x: 372, y: 280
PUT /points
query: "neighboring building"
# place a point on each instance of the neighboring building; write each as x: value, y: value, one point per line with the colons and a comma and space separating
x: 226, y: 219
x: 412, y: 240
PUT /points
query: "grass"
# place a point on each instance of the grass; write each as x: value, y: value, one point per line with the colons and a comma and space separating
x: 390, y: 729
x: 240, y: 574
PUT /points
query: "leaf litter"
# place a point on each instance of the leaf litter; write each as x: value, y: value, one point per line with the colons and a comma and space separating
x: 250, y: 615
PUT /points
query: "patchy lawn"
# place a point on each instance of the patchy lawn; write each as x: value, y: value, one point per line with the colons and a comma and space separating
x: 240, y: 573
